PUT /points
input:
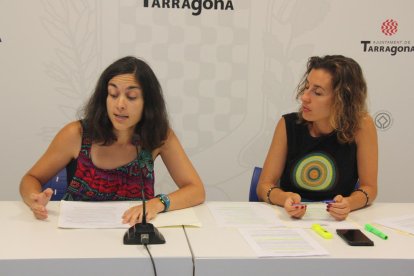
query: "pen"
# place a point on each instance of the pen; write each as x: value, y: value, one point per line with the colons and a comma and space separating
x: 323, y: 201
x: 328, y: 201
x: 298, y: 204
x: 375, y: 231
x: 321, y: 231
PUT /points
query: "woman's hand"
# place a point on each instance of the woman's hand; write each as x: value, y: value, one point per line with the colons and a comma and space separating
x: 340, y: 208
x: 40, y: 200
x: 294, y: 207
x: 135, y: 214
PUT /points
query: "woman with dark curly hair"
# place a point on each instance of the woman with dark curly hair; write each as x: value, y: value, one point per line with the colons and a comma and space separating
x: 328, y: 151
x: 110, y: 153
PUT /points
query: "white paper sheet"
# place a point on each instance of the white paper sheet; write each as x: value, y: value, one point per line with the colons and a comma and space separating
x: 243, y: 214
x: 402, y: 223
x: 80, y: 214
x: 186, y: 217
x: 279, y: 242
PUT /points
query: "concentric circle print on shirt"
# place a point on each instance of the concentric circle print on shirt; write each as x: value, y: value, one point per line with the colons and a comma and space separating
x: 315, y: 171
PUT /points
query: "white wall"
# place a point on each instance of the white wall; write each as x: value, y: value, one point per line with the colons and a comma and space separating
x: 228, y: 75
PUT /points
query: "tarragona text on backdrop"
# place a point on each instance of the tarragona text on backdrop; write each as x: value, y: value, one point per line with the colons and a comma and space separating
x: 393, y: 50
x: 195, y: 5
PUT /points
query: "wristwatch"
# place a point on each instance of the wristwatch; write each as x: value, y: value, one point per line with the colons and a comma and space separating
x: 164, y: 200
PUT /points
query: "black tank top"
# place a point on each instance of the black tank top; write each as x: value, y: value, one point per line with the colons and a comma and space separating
x: 317, y: 168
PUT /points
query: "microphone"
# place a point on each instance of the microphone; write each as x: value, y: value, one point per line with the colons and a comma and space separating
x: 143, y: 232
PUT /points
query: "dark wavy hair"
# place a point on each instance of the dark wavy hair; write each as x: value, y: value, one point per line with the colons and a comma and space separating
x: 350, y: 93
x: 152, y: 130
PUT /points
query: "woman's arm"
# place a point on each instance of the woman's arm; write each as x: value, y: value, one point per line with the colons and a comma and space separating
x: 367, y: 160
x: 191, y: 190
x: 273, y: 169
x: 64, y: 147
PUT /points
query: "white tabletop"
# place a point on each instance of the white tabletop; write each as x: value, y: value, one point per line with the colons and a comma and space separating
x: 34, y: 247
x: 217, y: 249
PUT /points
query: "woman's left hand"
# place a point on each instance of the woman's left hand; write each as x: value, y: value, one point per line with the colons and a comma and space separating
x: 135, y: 214
x: 340, y: 208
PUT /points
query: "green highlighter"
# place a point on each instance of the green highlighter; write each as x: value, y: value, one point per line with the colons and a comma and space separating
x: 375, y: 231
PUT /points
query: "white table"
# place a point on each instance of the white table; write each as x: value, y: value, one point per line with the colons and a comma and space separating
x: 33, y: 247
x: 223, y: 251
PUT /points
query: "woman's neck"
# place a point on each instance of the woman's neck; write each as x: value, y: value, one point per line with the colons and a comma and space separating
x: 320, y: 129
x: 123, y: 137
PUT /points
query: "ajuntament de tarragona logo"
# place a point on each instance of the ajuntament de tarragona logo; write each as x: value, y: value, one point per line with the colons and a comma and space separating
x: 197, y: 6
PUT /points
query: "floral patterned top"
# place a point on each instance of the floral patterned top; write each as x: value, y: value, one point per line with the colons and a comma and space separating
x: 91, y: 183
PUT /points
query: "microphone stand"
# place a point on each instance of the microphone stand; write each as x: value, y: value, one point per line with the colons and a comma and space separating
x: 143, y: 232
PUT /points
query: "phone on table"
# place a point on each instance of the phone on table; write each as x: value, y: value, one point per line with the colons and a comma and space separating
x: 354, y: 237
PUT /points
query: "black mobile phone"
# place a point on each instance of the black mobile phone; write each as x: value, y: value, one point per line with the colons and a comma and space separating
x: 354, y: 237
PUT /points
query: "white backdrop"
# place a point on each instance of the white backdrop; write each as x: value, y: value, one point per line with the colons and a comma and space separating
x: 228, y: 75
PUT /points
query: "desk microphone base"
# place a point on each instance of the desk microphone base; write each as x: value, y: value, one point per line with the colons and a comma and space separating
x: 143, y: 234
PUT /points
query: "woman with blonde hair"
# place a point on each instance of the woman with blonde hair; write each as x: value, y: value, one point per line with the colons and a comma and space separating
x: 328, y: 150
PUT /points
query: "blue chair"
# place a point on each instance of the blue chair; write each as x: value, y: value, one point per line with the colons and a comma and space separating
x: 253, y: 185
x: 58, y: 184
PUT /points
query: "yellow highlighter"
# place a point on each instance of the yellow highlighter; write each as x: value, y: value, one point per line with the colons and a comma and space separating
x: 321, y: 231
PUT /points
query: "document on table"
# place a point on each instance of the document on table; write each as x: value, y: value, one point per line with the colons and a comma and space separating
x: 402, y: 223
x: 81, y: 214
x: 243, y: 214
x: 186, y: 217
x: 279, y: 242
x: 316, y: 213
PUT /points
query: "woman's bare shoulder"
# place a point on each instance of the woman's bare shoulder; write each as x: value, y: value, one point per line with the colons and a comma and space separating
x: 72, y: 130
x: 367, y: 129
x: 168, y: 143
x: 69, y: 138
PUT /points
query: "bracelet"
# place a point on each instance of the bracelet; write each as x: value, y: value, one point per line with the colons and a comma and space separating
x: 164, y: 200
x: 365, y: 193
x: 268, y: 194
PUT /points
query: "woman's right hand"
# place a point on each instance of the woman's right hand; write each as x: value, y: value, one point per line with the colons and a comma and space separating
x: 135, y: 213
x: 294, y: 207
x: 40, y: 200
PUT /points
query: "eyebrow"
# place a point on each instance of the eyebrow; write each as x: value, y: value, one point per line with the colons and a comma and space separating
x: 128, y: 88
x: 315, y: 85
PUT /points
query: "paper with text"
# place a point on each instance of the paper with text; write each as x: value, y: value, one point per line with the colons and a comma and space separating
x: 402, y: 223
x: 279, y: 242
x: 243, y: 214
x: 80, y: 214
